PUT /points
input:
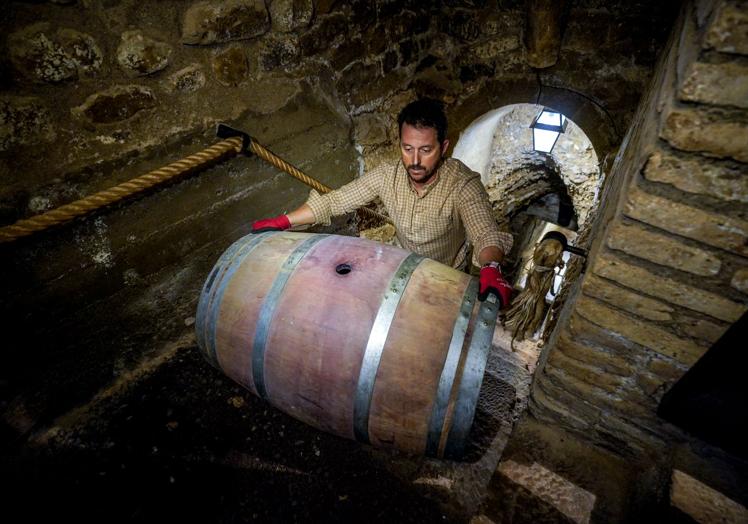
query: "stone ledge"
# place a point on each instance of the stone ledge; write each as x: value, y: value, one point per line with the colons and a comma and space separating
x: 571, y: 500
x: 690, y: 173
x: 609, y: 400
x: 717, y: 84
x: 672, y: 291
x: 211, y: 22
x: 594, y: 356
x: 624, y: 299
x: 702, y: 503
x: 584, y: 372
x: 643, y: 333
x: 740, y: 280
x: 710, y: 228
x: 666, y: 369
x: 702, y: 329
x: 550, y: 400
x: 727, y: 31
x: 547, y: 396
x: 707, y: 132
x: 665, y: 251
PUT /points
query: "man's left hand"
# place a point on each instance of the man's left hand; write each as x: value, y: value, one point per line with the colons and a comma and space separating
x: 492, y: 281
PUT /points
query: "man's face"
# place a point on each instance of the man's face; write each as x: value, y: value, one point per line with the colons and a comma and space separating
x: 421, y: 152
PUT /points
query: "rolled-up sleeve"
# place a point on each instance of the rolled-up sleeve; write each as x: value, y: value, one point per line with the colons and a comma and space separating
x: 346, y: 199
x: 477, y: 216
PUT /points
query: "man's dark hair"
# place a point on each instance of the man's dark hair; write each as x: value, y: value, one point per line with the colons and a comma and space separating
x: 425, y: 112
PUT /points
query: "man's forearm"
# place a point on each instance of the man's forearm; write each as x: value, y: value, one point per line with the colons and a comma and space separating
x: 490, y: 254
x: 301, y: 216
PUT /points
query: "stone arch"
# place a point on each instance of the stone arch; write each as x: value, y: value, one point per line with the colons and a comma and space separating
x: 602, y: 127
x: 498, y: 145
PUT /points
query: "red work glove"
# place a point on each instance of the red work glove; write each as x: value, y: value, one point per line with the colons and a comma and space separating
x: 492, y: 281
x: 279, y: 223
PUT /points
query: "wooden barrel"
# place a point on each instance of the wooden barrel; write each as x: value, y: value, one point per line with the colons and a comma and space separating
x: 354, y: 337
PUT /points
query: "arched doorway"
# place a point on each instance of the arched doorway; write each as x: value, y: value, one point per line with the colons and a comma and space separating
x: 532, y: 192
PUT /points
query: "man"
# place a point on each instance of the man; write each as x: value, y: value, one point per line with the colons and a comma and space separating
x: 438, y: 205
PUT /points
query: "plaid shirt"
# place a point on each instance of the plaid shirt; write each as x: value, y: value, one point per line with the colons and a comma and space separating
x: 452, y: 213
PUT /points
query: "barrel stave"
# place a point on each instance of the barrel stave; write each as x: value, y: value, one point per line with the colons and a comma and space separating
x: 413, y: 357
x: 242, y: 302
x: 322, y: 323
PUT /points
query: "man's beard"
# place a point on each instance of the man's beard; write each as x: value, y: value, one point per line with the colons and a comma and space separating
x: 421, y: 171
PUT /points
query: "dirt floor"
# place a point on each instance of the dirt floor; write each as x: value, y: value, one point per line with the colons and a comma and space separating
x: 183, y: 442
x: 187, y: 443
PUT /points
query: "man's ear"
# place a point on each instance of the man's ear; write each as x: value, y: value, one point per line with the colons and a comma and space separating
x: 445, y: 145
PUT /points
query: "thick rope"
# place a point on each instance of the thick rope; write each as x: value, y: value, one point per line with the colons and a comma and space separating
x: 218, y: 151
x: 84, y: 206
x: 271, y: 158
x: 528, y: 310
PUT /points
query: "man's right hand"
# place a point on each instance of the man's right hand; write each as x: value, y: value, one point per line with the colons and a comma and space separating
x: 279, y: 223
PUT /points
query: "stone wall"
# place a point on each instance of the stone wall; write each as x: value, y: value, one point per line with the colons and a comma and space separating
x: 667, y: 270
x: 95, y: 92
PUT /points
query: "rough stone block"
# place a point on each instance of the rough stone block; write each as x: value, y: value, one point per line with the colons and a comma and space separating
x: 585, y: 332
x: 707, y: 132
x: 357, y: 76
x: 42, y: 54
x: 276, y: 52
x: 543, y: 32
x: 627, y: 300
x: 117, y: 104
x: 463, y: 25
x: 494, y: 48
x: 702, y: 329
x: 550, y: 399
x: 642, y: 333
x: 703, y: 503
x: 344, y: 55
x: 574, y: 502
x: 667, y: 369
x: 728, y: 31
x: 272, y: 93
x: 627, y: 438
x: 597, y: 396
x: 406, y: 25
x: 211, y: 22
x: 740, y: 280
x: 24, y: 120
x: 602, y: 358
x: 652, y: 386
x: 583, y: 371
x: 230, y: 66
x: 140, y: 55
x: 695, y: 174
x: 290, y: 15
x: 713, y: 229
x: 582, y: 32
x: 661, y: 249
x: 642, y: 280
x: 187, y: 80
x: 379, y: 87
x: 371, y: 129
x: 389, y: 61
x: 327, y: 33
x: 719, y: 84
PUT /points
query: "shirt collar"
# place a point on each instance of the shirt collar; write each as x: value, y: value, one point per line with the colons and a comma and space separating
x: 429, y: 187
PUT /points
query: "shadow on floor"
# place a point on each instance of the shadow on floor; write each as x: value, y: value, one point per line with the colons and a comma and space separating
x: 186, y: 443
